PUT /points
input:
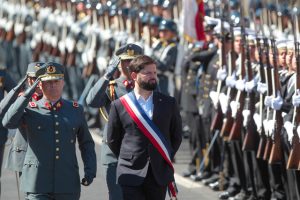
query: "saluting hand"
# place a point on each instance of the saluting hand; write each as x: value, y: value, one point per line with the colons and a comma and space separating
x: 112, y: 67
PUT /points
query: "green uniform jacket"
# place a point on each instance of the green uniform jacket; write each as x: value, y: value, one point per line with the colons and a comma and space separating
x: 50, y: 164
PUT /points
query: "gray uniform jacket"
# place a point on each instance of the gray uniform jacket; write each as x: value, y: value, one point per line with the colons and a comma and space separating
x: 99, y: 96
x: 50, y: 164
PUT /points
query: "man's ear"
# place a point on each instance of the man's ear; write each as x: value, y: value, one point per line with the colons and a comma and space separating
x: 133, y: 75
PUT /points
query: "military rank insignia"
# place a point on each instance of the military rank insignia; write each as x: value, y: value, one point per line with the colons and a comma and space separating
x: 51, y: 70
x: 75, y: 104
x: 32, y: 104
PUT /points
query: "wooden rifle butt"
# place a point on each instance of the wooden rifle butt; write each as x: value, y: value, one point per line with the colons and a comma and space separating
x: 261, y: 147
x: 268, y: 148
x: 227, y: 125
x: 294, y: 156
x: 10, y: 35
x: 55, y: 52
x: 251, y: 139
x: 2, y: 33
x: 21, y: 38
x: 235, y: 132
x: 71, y: 59
x: 63, y: 58
x: 217, y: 121
x: 276, y: 153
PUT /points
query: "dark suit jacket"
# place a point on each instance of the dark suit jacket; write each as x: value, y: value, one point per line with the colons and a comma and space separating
x: 134, y: 149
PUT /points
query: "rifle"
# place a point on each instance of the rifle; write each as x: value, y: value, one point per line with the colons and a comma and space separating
x: 250, y: 142
x: 268, y: 78
x: 231, y: 92
x: 294, y: 156
x: 218, y: 118
x: 235, y: 132
x: 261, y: 130
x: 276, y: 151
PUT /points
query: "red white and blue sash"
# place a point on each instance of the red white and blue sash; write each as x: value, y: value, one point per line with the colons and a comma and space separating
x: 151, y: 131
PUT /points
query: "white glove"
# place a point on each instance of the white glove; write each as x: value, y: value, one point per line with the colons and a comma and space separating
x: 250, y: 85
x: 298, y: 131
x: 257, y: 120
x: 214, y: 98
x: 262, y: 88
x: 265, y: 124
x: 277, y: 102
x: 296, y: 98
x: 223, y: 99
x: 221, y: 74
x: 268, y: 101
x: 271, y: 127
x: 234, y: 107
x: 240, y: 85
x: 230, y: 81
x: 246, y: 114
x: 289, y: 129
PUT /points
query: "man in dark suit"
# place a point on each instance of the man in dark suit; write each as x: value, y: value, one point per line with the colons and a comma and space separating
x: 142, y: 172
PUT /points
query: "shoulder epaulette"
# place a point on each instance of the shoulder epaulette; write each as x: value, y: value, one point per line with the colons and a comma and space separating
x: 112, y: 82
x: 32, y: 104
x: 75, y: 104
x: 172, y: 44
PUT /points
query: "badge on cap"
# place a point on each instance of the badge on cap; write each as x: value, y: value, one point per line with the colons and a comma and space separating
x: 51, y: 69
x: 130, y: 52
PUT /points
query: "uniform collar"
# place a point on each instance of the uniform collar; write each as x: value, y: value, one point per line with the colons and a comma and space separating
x: 36, y: 96
x: 56, y: 106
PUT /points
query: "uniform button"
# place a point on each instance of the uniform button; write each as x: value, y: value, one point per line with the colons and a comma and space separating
x: 57, y: 140
x: 73, y: 129
x: 56, y: 123
x: 39, y: 127
x: 72, y: 141
x: 55, y: 116
x: 57, y: 149
x: 57, y: 157
x: 56, y: 132
x: 54, y: 108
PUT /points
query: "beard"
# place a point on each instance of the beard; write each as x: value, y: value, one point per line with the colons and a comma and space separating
x: 149, y: 86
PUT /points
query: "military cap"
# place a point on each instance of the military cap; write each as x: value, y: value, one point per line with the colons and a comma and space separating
x: 155, y: 20
x: 167, y: 4
x: 281, y: 44
x: 124, y: 11
x: 290, y: 45
x: 234, y: 3
x: 158, y: 2
x: 210, y: 23
x: 129, y: 51
x: 167, y: 24
x: 33, y: 67
x: 51, y: 71
x: 225, y: 32
x: 144, y: 17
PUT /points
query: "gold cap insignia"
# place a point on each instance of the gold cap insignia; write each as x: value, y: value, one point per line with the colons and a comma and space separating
x: 51, y: 70
x: 130, y: 52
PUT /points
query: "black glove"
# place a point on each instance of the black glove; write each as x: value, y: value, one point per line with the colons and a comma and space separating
x: 112, y: 67
x: 29, y: 92
x: 20, y: 84
x: 86, y: 181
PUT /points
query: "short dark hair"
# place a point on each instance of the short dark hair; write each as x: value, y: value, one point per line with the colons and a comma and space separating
x: 139, y: 63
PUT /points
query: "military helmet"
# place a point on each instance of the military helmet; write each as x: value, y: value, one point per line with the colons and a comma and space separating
x: 169, y: 25
x: 155, y: 20
x: 158, y: 2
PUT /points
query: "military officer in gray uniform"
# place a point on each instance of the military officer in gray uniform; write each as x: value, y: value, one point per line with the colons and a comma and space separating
x: 6, y: 84
x: 52, y: 125
x: 101, y: 95
x: 18, y: 147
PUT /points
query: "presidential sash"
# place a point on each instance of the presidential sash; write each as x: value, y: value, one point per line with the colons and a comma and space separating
x: 151, y: 131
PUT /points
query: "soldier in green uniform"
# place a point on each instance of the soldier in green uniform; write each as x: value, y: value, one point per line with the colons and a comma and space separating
x: 101, y: 95
x: 52, y: 126
x: 18, y: 147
